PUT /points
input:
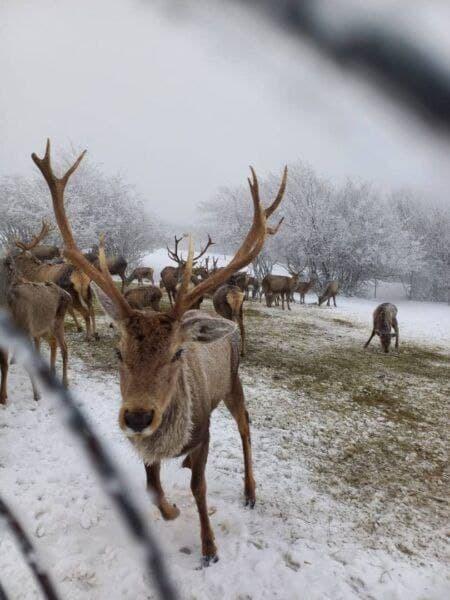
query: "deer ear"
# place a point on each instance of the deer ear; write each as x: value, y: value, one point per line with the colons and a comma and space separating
x: 106, y: 303
x: 206, y: 329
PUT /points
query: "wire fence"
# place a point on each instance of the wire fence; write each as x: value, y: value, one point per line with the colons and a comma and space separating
x: 114, y: 484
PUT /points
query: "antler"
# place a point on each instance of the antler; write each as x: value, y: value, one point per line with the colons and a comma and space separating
x: 174, y: 255
x: 202, y: 252
x: 250, y: 247
x: 57, y: 186
x: 45, y: 230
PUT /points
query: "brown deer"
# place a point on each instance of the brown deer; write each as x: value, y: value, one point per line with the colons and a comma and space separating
x: 66, y: 276
x: 175, y: 367
x: 43, y: 252
x: 282, y: 285
x: 117, y: 265
x: 39, y: 310
x: 171, y: 276
x: 303, y: 288
x: 385, y: 319
x: 255, y: 285
x: 144, y: 296
x: 141, y: 273
x: 330, y: 292
x: 228, y: 301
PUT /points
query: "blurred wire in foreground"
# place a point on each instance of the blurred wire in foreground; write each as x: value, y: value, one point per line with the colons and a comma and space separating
x: 29, y: 553
x: 113, y: 482
x: 405, y: 68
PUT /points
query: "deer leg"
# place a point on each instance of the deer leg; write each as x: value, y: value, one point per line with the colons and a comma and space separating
x: 61, y: 340
x: 288, y: 300
x: 93, y: 322
x: 52, y: 343
x: 236, y: 405
x: 370, y: 339
x: 122, y: 277
x: 334, y: 300
x: 36, y: 393
x: 167, y: 510
x: 199, y: 456
x: 395, y: 326
x: 4, y: 371
x: 74, y: 317
x: 242, y: 330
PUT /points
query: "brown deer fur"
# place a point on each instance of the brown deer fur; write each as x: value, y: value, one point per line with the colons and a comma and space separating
x: 144, y: 296
x: 281, y: 285
x: 39, y: 310
x: 303, y: 288
x: 385, y: 319
x: 141, y: 273
x: 228, y: 302
x: 330, y: 292
x: 42, y: 252
x: 117, y: 265
x: 174, y: 367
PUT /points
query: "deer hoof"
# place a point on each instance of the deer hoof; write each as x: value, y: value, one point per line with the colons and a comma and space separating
x: 168, y: 511
x: 250, y: 502
x: 96, y: 337
x: 209, y: 559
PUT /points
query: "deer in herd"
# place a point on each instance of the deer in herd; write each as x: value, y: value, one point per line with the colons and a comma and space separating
x: 39, y: 310
x: 228, y: 301
x: 171, y: 276
x: 331, y: 291
x: 117, y: 265
x: 303, y: 288
x: 282, y: 285
x: 66, y: 276
x: 140, y: 273
x: 385, y: 319
x: 144, y: 296
x: 255, y: 285
x: 44, y: 252
x: 174, y: 367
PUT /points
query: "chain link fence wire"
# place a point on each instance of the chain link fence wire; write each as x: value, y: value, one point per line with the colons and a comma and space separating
x: 114, y: 484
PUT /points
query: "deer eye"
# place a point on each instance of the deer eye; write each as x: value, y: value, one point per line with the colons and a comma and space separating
x: 118, y: 354
x: 177, y: 355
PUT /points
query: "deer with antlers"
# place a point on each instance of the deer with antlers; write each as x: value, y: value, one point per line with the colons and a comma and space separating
x: 39, y: 310
x: 171, y: 276
x: 67, y: 277
x: 175, y: 367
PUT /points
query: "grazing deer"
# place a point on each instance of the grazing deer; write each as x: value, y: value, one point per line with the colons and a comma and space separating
x: 228, y: 301
x: 282, y: 285
x: 141, y: 273
x: 385, y: 319
x: 117, y: 265
x: 144, y: 296
x: 174, y: 367
x: 303, y: 288
x: 65, y: 276
x: 171, y: 276
x: 330, y: 292
x: 39, y: 310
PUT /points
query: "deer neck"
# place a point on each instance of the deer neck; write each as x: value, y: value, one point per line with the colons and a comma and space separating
x: 175, y: 430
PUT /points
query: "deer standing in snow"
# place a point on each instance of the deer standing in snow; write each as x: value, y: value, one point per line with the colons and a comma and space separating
x: 385, y: 319
x: 331, y: 291
x: 174, y: 367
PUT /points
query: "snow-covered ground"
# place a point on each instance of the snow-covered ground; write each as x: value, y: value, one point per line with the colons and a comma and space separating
x: 298, y: 542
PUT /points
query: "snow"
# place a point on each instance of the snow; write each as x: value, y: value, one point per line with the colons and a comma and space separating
x: 296, y: 543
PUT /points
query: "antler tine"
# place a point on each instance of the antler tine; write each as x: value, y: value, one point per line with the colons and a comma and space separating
x: 71, y: 251
x: 275, y: 204
x: 174, y: 255
x: 250, y: 247
x: 180, y: 306
x: 45, y: 230
x: 202, y: 252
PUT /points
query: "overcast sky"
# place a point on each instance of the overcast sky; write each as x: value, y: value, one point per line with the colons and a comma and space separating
x: 181, y: 102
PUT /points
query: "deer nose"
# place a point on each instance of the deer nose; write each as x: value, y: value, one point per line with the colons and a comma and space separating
x: 137, y: 421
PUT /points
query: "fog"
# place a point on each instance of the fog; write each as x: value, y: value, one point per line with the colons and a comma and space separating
x: 181, y: 97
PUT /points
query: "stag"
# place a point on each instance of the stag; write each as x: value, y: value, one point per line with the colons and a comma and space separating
x: 175, y: 367
x: 228, y: 301
x: 67, y: 277
x: 171, y: 276
x: 385, y: 319
x: 144, y: 296
x: 117, y: 265
x: 141, y: 273
x: 330, y: 292
x: 279, y: 285
x: 39, y: 310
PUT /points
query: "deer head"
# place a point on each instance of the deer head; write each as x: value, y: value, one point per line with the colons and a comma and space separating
x: 150, y: 350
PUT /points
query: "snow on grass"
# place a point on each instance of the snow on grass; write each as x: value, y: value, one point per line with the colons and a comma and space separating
x: 350, y: 458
